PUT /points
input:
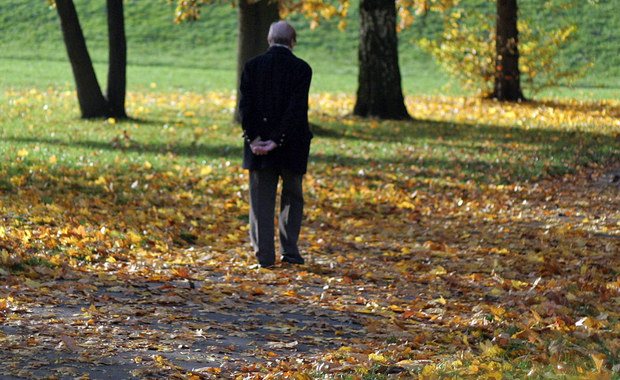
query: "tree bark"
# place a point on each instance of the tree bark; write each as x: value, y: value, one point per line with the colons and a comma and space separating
x: 255, y: 18
x: 117, y: 65
x: 379, y: 93
x: 91, y: 99
x: 507, y: 75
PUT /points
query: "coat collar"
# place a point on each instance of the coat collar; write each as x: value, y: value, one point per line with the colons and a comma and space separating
x: 279, y: 50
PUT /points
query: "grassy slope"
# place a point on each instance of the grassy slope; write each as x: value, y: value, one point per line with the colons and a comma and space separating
x: 206, y: 49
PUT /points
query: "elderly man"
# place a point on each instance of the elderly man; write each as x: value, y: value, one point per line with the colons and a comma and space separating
x: 273, y: 107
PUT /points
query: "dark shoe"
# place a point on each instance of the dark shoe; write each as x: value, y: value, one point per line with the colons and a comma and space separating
x: 293, y: 259
x: 265, y: 260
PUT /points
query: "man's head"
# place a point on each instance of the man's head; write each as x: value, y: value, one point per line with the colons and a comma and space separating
x: 282, y: 33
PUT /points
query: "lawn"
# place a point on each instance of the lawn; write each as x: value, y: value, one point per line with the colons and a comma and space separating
x: 200, y: 57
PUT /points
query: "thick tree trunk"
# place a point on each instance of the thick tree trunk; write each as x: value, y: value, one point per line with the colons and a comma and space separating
x: 117, y: 65
x: 255, y: 18
x: 91, y: 99
x: 379, y: 93
x: 507, y: 75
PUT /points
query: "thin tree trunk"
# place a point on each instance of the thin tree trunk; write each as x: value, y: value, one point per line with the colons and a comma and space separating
x: 255, y: 18
x: 117, y: 65
x: 91, y: 99
x: 379, y: 93
x: 507, y: 75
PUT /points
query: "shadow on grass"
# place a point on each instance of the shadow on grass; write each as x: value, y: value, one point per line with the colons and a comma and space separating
x: 186, y: 150
x: 483, y: 153
x: 409, y: 131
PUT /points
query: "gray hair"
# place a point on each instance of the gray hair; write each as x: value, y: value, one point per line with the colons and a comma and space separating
x: 282, y: 33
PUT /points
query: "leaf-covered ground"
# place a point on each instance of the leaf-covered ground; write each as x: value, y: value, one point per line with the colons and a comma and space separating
x: 481, y: 240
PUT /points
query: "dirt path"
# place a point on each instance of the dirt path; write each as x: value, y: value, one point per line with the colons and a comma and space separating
x: 119, y: 329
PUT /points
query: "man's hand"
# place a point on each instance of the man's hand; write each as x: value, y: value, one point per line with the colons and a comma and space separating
x: 260, y: 148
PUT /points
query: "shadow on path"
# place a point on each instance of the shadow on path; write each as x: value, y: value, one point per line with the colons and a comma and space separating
x: 124, y: 329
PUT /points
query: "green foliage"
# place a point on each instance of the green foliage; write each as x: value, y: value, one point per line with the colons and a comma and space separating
x: 466, y: 49
x: 540, y: 50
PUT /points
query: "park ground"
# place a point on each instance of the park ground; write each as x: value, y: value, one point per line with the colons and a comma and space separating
x: 479, y: 240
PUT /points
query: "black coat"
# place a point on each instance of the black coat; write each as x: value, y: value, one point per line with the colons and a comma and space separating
x: 273, y: 105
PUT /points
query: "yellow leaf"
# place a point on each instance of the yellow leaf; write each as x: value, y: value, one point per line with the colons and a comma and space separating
x: 510, y: 115
x: 396, y: 308
x: 429, y: 370
x: 491, y: 350
x: 473, y: 369
x: 53, y: 159
x: 302, y: 376
x: 497, y: 310
x: 494, y: 375
x: 377, y: 358
x: 406, y: 205
x: 599, y: 360
x: 441, y: 300
x: 133, y: 237
x: 206, y: 170
x: 22, y: 153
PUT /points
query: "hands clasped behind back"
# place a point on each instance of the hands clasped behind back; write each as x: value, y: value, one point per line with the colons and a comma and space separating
x: 261, y: 148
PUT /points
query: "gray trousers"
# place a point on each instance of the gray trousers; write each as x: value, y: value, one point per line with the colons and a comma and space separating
x: 263, y: 191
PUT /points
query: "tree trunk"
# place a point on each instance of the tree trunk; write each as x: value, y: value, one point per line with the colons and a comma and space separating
x: 379, y: 93
x: 91, y: 99
x: 255, y: 18
x: 507, y: 75
x: 117, y: 65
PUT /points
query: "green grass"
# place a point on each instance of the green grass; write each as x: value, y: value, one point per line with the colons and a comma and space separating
x: 201, y: 56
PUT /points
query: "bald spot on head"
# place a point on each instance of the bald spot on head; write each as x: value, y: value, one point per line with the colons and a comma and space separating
x: 283, y: 33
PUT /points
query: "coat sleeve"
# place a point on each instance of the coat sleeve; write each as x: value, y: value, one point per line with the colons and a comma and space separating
x: 246, y: 104
x: 295, y: 118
